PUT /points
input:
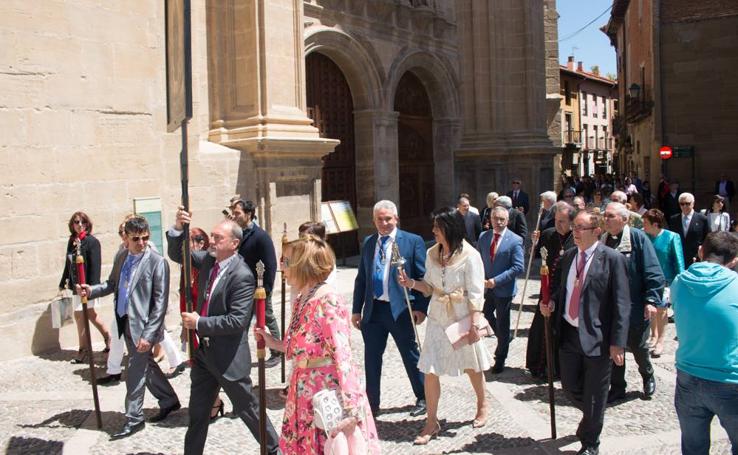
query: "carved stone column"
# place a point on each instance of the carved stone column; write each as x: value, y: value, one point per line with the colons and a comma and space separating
x: 257, y: 105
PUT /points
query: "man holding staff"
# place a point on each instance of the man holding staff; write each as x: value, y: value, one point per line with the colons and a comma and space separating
x: 379, y: 302
x: 223, y: 357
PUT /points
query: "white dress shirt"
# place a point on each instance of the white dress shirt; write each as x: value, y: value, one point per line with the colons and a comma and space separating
x: 572, y: 277
x: 388, y: 258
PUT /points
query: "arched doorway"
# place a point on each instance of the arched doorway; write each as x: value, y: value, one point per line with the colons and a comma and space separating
x: 415, y: 149
x: 330, y: 105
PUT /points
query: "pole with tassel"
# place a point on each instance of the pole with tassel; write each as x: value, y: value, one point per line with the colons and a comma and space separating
x: 545, y: 297
x: 260, y: 301
x: 285, y: 240
x: 527, y: 273
x: 81, y: 280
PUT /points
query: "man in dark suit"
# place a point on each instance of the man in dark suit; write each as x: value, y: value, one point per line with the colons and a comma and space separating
x: 516, y: 222
x: 670, y: 202
x: 379, y: 307
x: 646, y: 281
x: 472, y: 221
x: 502, y: 256
x: 691, y: 226
x: 139, y: 281
x: 223, y: 357
x: 519, y: 197
x: 548, y: 199
x: 725, y: 188
x: 590, y: 296
x: 258, y: 246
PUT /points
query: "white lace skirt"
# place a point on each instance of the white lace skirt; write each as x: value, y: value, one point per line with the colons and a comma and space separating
x: 438, y: 356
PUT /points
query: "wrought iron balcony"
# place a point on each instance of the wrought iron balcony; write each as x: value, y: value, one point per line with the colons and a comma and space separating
x: 572, y: 138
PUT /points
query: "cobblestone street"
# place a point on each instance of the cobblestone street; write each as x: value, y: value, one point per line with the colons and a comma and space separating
x: 47, y: 405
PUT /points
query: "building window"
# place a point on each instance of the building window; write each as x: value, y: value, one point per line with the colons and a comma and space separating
x: 605, y: 139
x: 594, y: 109
x: 595, y: 144
x: 567, y: 93
x: 585, y: 134
x: 604, y: 108
x: 584, y: 103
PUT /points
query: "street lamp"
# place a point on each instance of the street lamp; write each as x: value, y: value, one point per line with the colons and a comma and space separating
x: 634, y: 91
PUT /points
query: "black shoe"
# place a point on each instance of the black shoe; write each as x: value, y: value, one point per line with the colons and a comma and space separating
x: 219, y: 411
x: 81, y: 357
x: 177, y: 370
x: 615, y: 395
x: 649, y: 387
x: 128, y: 430
x: 498, y: 368
x: 273, y: 360
x: 109, y: 379
x: 588, y: 451
x: 419, y: 408
x: 164, y: 412
x: 376, y: 412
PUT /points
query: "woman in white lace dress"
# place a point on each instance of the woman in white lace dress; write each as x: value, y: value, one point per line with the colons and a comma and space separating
x: 455, y: 278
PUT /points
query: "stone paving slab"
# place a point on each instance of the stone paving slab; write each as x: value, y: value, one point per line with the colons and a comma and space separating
x: 47, y: 403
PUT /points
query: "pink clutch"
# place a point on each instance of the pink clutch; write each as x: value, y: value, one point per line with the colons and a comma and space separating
x: 458, y: 332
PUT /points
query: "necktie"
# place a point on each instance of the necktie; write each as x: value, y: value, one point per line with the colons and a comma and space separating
x: 211, y: 280
x: 685, y: 224
x: 125, y: 279
x: 493, y: 248
x: 380, y: 261
x: 575, y: 293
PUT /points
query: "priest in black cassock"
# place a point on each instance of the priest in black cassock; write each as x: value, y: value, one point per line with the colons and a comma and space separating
x: 556, y: 240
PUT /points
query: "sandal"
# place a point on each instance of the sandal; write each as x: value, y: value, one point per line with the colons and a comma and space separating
x: 219, y: 411
x: 107, y: 344
x: 424, y: 439
x: 81, y: 357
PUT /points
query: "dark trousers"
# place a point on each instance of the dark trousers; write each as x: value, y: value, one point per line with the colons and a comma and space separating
x: 497, y: 312
x: 638, y: 345
x: 375, y: 333
x: 206, y: 382
x: 585, y: 381
x: 143, y: 372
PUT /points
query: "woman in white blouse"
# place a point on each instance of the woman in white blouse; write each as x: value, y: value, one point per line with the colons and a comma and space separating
x: 717, y: 219
x: 454, y: 276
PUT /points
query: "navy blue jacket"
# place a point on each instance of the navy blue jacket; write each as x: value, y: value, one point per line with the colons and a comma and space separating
x: 255, y: 246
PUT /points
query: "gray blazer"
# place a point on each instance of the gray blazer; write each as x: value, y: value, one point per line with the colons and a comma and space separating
x: 226, y: 325
x: 148, y: 295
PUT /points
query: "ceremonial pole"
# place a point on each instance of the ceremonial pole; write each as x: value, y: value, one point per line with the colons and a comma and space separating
x: 260, y: 301
x: 399, y: 261
x: 284, y: 296
x: 81, y: 280
x: 527, y: 273
x: 545, y: 297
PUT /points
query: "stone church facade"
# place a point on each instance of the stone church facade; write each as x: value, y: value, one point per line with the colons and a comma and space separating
x: 295, y: 102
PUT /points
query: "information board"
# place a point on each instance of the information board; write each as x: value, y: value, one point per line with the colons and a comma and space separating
x: 338, y: 216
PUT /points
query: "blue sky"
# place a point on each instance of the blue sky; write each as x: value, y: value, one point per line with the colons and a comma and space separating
x: 591, y: 46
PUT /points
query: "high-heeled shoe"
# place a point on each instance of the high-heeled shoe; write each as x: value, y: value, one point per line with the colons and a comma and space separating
x: 479, y: 422
x: 81, y: 357
x: 107, y: 344
x: 424, y: 439
x: 658, y: 349
x: 219, y: 413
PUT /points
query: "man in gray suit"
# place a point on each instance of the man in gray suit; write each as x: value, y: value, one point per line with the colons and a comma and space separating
x: 140, y: 282
x: 223, y: 358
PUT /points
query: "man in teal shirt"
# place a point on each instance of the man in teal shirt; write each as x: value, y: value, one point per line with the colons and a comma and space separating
x: 705, y: 300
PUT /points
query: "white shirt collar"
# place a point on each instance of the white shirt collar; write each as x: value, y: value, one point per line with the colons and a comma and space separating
x: 589, y: 251
x: 224, y: 263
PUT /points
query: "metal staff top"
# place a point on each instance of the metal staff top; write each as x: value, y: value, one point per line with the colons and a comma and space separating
x: 397, y: 259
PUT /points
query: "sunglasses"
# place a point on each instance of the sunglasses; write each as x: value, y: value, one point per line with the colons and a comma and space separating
x: 583, y: 228
x: 136, y: 238
x: 80, y: 222
x: 685, y: 203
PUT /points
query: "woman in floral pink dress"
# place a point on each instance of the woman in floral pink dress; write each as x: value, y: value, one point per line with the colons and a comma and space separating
x: 317, y: 341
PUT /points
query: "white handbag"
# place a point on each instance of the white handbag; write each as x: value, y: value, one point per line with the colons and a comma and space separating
x: 62, y: 310
x: 327, y: 410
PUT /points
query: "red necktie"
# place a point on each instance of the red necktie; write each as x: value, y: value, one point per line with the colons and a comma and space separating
x: 213, y: 274
x: 493, y: 248
x: 578, y: 282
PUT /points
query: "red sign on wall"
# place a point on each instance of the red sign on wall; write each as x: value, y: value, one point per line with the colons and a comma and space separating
x: 665, y: 152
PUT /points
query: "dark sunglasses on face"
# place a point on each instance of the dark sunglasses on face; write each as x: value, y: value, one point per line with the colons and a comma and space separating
x: 80, y: 222
x: 136, y: 238
x: 685, y: 203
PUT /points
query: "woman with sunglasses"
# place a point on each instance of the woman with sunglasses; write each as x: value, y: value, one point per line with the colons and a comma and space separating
x: 80, y: 230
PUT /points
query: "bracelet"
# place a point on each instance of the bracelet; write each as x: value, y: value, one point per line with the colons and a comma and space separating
x: 412, y: 286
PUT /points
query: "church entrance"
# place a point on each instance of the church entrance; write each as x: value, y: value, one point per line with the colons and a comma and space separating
x: 415, y: 149
x: 331, y: 107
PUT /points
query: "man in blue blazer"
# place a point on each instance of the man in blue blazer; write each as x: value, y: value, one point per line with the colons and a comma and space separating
x: 502, y: 255
x: 379, y: 307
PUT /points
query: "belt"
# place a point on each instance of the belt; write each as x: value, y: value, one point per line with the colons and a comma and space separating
x: 380, y: 301
x: 314, y: 362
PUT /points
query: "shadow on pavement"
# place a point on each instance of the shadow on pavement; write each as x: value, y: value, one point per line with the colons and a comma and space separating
x: 540, y: 393
x: 18, y: 445
x: 390, y: 430
x: 489, y: 442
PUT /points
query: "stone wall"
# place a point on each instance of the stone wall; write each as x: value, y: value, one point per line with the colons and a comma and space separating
x: 83, y: 115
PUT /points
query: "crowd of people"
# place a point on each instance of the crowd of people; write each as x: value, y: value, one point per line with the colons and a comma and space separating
x: 621, y: 260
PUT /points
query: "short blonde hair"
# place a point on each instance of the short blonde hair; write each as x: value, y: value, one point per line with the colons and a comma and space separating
x: 312, y: 259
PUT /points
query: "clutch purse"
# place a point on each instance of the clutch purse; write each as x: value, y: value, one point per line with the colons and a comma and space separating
x: 458, y: 332
x: 327, y: 410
